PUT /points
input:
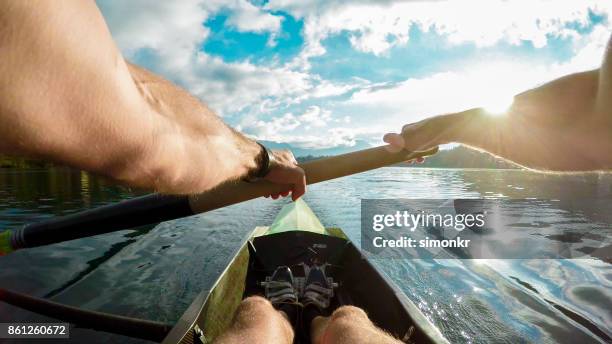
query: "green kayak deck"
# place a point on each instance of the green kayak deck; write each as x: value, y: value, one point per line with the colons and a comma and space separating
x: 297, y: 237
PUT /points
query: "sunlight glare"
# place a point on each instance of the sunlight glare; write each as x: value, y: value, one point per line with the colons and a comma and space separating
x: 497, y: 105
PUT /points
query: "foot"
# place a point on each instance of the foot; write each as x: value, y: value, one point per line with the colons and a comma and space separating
x: 317, y: 291
x: 279, y: 290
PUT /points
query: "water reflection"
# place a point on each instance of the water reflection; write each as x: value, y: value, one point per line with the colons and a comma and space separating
x: 28, y: 195
x: 495, y: 307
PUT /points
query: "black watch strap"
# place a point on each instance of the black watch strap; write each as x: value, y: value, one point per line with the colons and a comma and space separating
x: 263, y: 161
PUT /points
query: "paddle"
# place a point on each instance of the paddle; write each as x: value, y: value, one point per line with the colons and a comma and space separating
x: 156, y: 208
x: 133, y: 327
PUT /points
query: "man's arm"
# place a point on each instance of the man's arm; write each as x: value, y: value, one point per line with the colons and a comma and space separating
x: 67, y: 95
x: 564, y: 125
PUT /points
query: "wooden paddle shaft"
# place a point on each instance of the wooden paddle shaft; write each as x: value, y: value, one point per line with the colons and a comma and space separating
x: 316, y: 171
x: 155, y: 208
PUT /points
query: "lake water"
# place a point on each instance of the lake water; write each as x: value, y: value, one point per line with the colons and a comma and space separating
x: 155, y: 272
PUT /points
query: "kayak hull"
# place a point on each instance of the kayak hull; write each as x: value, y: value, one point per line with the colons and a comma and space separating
x: 359, y: 282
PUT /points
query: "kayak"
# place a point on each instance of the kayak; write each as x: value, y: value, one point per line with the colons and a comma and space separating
x: 297, y: 239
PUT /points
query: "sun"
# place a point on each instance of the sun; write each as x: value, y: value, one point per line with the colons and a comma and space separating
x: 497, y: 104
x: 495, y: 84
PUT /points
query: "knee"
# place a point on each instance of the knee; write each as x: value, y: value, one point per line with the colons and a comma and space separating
x: 253, y: 307
x: 255, y: 303
x: 350, y: 313
x: 346, y: 325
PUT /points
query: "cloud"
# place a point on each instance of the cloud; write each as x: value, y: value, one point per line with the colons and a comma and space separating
x: 267, y: 130
x: 174, y: 28
x: 177, y: 27
x: 335, y: 137
x: 588, y: 53
x: 231, y: 87
x: 170, y: 34
x: 377, y: 26
x: 332, y: 137
x: 312, y: 129
x: 248, y: 18
x: 489, y: 84
x: 417, y: 98
x: 289, y: 103
x: 315, y: 116
x: 377, y: 42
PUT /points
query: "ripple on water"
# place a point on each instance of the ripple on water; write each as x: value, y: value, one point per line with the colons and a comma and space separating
x: 155, y: 274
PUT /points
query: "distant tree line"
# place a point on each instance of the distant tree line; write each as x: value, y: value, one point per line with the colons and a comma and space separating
x: 303, y: 159
x: 456, y: 157
x: 16, y: 162
x: 464, y: 157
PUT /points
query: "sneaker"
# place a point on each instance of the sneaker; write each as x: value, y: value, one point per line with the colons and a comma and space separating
x: 317, y: 291
x: 279, y: 289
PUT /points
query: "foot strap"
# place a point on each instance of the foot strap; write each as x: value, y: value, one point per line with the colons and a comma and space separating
x: 318, y: 295
x: 280, y: 292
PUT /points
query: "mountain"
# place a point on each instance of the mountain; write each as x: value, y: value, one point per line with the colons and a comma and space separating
x: 464, y: 157
x: 456, y: 157
x: 303, y: 152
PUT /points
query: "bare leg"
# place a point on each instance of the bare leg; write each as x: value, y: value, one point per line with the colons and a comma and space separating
x: 348, y: 324
x: 256, y: 321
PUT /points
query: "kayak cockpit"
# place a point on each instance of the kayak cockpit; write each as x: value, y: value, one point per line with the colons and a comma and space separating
x: 298, y: 239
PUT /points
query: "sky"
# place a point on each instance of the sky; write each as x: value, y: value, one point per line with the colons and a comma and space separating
x: 320, y: 74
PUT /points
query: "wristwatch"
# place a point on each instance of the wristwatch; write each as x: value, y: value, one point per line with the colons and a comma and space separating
x: 263, y: 160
